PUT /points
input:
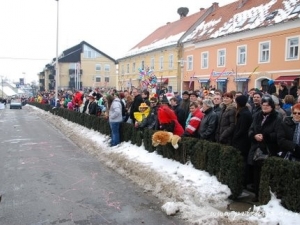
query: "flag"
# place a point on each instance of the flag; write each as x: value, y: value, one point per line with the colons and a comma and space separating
x: 221, y: 74
x: 191, y: 80
x: 253, y: 71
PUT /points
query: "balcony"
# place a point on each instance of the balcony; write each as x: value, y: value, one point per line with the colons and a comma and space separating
x: 51, y: 77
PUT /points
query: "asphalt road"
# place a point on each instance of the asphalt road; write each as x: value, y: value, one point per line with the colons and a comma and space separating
x: 47, y: 179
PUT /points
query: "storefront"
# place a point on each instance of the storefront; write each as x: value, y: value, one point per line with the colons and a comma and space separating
x: 222, y: 85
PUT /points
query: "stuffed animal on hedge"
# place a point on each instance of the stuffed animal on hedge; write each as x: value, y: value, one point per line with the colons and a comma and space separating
x: 164, y: 137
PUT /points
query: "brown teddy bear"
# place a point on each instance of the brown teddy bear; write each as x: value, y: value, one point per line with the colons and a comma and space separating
x: 164, y: 137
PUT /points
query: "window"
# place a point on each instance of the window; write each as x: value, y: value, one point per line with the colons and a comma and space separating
x: 221, y: 57
x: 127, y: 70
x: 122, y: 69
x: 161, y: 62
x: 190, y: 62
x: 106, y: 79
x: 264, y: 51
x: 142, y: 65
x: 72, y: 66
x: 98, y: 67
x: 296, y: 9
x: 152, y: 64
x: 106, y: 67
x: 241, y: 54
x: 271, y: 15
x: 98, y: 79
x: 292, y: 48
x: 171, y: 61
x: 133, y: 67
x: 204, y: 60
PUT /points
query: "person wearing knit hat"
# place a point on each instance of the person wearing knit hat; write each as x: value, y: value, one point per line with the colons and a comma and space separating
x: 240, y: 139
x: 241, y: 101
x: 271, y: 88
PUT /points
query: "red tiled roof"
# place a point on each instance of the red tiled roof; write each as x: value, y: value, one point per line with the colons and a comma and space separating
x: 231, y: 18
x: 171, y: 29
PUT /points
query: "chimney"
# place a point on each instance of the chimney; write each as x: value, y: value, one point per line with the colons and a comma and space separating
x: 168, y: 23
x: 215, y: 5
x: 241, y: 3
x: 201, y: 9
x: 182, y: 11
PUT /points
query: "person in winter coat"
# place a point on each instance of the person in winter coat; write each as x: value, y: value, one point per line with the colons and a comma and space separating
x: 92, y: 106
x: 271, y: 88
x: 226, y: 124
x: 240, y: 138
x: 150, y: 121
x: 178, y: 111
x: 293, y: 89
x: 263, y: 134
x: 193, y: 121
x: 283, y: 90
x: 289, y: 135
x: 115, y: 119
x: 185, y: 104
x: 209, y: 123
x: 137, y: 101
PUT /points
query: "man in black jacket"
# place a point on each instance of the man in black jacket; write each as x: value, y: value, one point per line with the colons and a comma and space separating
x: 135, y: 104
x: 178, y: 111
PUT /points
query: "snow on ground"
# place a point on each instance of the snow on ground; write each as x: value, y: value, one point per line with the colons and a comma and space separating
x: 192, y: 194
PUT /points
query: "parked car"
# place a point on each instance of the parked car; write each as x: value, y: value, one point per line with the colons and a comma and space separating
x: 15, y: 104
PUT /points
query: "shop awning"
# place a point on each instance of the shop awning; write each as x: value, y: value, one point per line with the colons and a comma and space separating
x: 203, y: 80
x: 287, y: 79
x: 221, y: 80
x: 241, y: 79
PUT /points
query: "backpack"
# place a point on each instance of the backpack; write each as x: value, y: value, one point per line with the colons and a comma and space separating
x: 123, y: 108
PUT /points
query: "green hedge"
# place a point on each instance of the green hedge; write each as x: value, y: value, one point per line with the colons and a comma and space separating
x: 222, y: 161
x: 282, y: 177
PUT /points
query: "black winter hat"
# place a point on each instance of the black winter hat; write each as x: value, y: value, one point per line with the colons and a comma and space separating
x: 241, y: 100
x: 185, y: 93
x: 268, y: 99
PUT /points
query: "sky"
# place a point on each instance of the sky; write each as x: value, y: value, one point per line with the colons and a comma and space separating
x: 29, y: 28
x: 196, y: 196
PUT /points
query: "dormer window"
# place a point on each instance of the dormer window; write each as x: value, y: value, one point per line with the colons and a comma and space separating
x: 252, y: 19
x: 271, y: 15
x: 296, y: 9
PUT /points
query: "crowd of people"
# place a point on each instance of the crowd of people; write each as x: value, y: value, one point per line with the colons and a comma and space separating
x: 267, y: 121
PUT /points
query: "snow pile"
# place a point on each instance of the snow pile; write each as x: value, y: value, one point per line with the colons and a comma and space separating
x: 192, y: 194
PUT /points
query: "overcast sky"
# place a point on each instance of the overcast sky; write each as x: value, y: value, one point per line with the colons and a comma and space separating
x: 28, y: 28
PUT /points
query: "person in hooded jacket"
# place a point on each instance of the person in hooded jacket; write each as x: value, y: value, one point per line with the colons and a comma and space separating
x: 283, y: 91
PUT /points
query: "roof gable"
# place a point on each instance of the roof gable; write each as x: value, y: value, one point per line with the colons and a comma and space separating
x: 166, y: 35
x: 73, y: 54
x: 233, y: 18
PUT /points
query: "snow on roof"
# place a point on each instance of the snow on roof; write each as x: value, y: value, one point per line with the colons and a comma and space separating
x: 8, y: 91
x: 171, y: 40
x: 254, y: 14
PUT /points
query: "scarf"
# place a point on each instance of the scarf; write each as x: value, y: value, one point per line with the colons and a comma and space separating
x: 296, y: 138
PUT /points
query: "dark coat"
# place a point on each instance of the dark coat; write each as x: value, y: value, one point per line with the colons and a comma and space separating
x: 240, y: 138
x: 271, y: 89
x: 269, y: 130
x: 283, y: 92
x: 93, y: 107
x: 285, y: 137
x: 208, y: 126
x: 226, y: 124
x: 218, y: 110
x: 293, y: 91
x: 151, y: 120
x: 180, y: 115
x: 137, y: 101
x: 185, y: 105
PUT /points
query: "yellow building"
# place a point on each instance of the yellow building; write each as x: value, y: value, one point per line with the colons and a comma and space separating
x: 80, y: 67
x: 161, y: 52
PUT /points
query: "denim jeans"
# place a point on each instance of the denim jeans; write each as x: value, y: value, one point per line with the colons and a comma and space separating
x: 115, y: 133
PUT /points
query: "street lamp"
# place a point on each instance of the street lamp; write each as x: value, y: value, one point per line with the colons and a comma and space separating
x: 56, y: 63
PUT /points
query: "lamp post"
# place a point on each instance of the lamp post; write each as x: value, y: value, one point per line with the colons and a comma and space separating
x: 56, y: 63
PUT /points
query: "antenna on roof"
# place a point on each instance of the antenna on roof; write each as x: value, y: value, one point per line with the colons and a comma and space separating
x: 182, y: 11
